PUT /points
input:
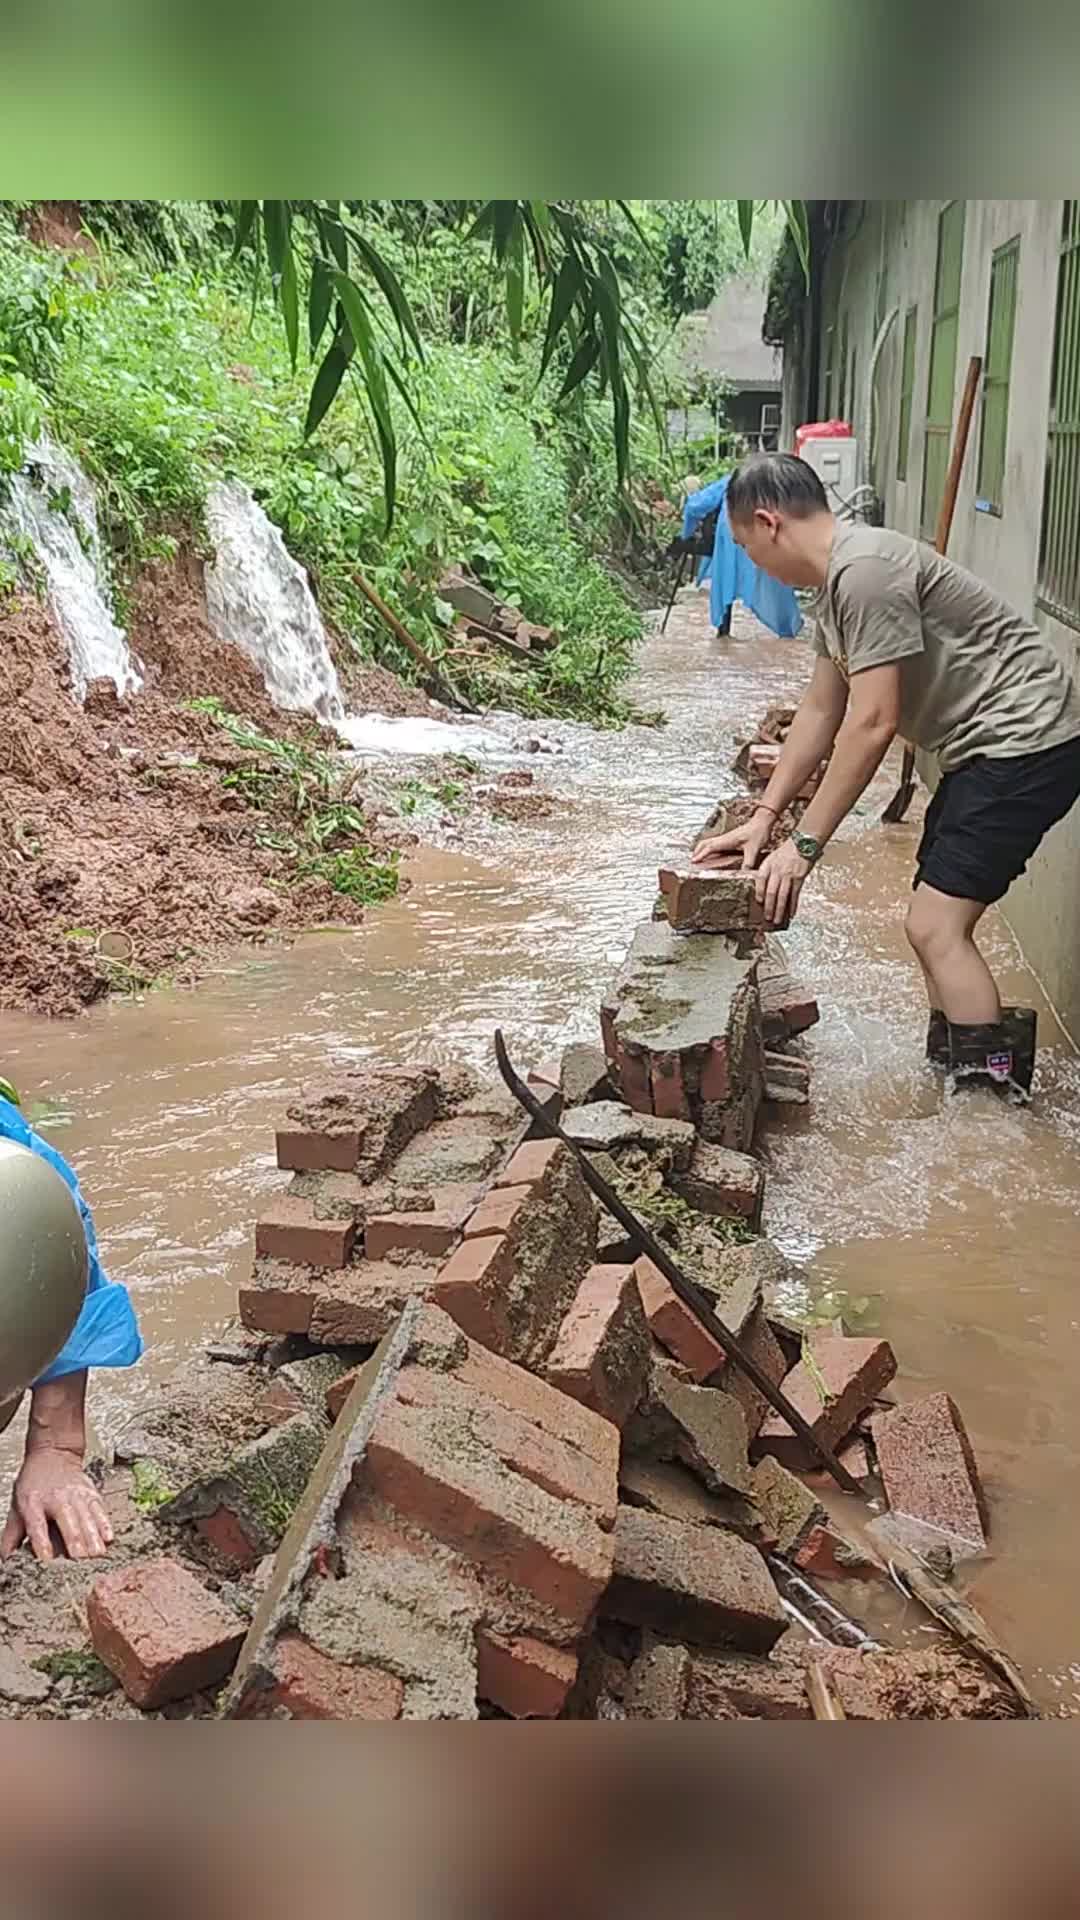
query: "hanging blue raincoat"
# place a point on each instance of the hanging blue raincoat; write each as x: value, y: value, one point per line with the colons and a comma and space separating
x: 734, y: 576
x: 106, y: 1333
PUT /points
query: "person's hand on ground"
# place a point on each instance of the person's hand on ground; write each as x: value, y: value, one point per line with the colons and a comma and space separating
x: 52, y: 1487
x: 778, y: 881
x: 742, y: 847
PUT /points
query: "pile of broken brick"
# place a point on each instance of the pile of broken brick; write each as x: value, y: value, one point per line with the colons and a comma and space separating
x: 485, y: 624
x: 466, y: 1453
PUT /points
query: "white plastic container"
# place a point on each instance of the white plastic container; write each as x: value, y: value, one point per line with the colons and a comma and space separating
x: 837, y: 464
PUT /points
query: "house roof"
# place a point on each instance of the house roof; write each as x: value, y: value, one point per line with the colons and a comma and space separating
x: 726, y: 338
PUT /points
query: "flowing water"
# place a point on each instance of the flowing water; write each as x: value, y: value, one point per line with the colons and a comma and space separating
x: 51, y: 504
x: 954, y: 1228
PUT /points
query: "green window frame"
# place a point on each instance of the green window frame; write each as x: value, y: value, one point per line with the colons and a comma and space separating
x: 830, y: 349
x: 1059, y: 550
x: 907, y: 390
x: 842, y: 400
x: 997, y: 374
x: 942, y: 379
x: 852, y: 367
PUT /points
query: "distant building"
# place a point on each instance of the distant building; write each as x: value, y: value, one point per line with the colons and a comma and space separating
x: 726, y: 341
x: 902, y: 294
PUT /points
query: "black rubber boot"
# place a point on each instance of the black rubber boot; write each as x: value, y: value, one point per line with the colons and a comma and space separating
x: 999, y: 1055
x: 937, y: 1039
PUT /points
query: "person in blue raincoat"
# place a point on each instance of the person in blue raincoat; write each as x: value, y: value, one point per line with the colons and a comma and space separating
x: 733, y: 575
x: 51, y: 1489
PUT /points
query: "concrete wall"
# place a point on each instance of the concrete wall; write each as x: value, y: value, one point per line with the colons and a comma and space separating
x: 1044, y: 907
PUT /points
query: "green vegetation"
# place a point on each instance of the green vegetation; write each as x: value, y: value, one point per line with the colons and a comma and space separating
x: 311, y: 816
x: 89, y: 1674
x: 483, y: 365
x: 150, y: 1489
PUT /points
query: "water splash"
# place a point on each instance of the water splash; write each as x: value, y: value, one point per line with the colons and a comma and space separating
x: 51, y: 503
x: 258, y: 598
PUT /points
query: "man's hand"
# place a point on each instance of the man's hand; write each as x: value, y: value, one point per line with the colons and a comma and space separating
x: 779, y: 880
x: 742, y: 847
x: 53, y: 1487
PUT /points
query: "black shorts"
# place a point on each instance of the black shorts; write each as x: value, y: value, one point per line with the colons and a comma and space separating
x: 988, y: 816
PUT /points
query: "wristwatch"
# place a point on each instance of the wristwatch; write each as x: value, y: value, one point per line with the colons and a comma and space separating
x: 808, y: 847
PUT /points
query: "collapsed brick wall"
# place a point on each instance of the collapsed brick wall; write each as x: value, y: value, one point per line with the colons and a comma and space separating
x: 466, y: 1453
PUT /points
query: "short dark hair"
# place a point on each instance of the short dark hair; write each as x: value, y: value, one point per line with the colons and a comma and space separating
x: 779, y: 482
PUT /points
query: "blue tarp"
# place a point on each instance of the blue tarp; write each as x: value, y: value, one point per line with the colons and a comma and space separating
x: 734, y: 577
x: 106, y: 1333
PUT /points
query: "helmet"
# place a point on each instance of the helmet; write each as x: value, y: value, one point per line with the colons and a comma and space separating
x: 43, y: 1269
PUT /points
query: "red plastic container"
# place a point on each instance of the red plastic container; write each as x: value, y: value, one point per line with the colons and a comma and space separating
x: 822, y: 430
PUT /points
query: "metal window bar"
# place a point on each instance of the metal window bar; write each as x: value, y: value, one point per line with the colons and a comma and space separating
x: 907, y: 391
x: 1059, y: 553
x: 1000, y: 328
x: 942, y: 381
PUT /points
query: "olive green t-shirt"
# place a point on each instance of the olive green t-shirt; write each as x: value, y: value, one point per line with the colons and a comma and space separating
x: 975, y: 677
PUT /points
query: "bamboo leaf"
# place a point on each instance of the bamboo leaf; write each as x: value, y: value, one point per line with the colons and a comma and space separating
x: 515, y: 281
x: 290, y: 301
x: 568, y: 285
x: 799, y: 228
x: 507, y: 214
x: 320, y: 295
x: 746, y: 223
x: 275, y: 226
x: 484, y: 222
x: 391, y: 289
x: 325, y: 386
x: 332, y: 235
x: 583, y: 362
x: 245, y: 216
x: 374, y: 368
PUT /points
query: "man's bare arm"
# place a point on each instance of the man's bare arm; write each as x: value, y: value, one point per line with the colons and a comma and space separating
x: 51, y: 1488
x: 814, y: 729
x: 870, y: 727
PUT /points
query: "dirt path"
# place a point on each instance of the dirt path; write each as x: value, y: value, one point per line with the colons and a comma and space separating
x: 956, y: 1230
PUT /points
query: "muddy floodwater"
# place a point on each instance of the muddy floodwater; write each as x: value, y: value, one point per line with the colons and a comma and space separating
x: 953, y: 1228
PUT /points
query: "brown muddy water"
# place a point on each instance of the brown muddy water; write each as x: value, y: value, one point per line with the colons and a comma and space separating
x: 953, y: 1228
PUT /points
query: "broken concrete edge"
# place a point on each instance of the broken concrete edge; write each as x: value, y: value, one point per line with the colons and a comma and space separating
x: 314, y: 1523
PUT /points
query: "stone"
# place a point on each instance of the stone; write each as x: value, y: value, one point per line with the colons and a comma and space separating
x: 601, y: 1356
x: 667, y: 1487
x: 388, y: 1107
x: 524, y: 1677
x: 721, y: 1182
x: 161, y: 1632
x: 424, y: 1235
x: 675, y: 1325
x: 311, y: 1150
x: 702, y: 1427
x: 928, y: 1468
x: 291, y: 1231
x: 608, y: 1125
x: 836, y: 1381
x: 20, y: 1682
x: 583, y: 1076
x: 659, y: 1682
x: 700, y: 1583
x: 787, y: 1510
x: 932, y: 1684
x: 467, y: 596
x: 712, y: 900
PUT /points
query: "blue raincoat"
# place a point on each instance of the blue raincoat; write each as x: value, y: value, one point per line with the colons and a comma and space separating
x: 734, y: 576
x: 106, y: 1333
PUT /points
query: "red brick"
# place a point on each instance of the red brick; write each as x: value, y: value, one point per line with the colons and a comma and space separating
x: 278, y: 1402
x: 854, y: 1373
x: 634, y: 1078
x: 552, y: 1549
x: 715, y: 1079
x: 673, y: 1324
x: 529, y: 1163
x: 429, y: 1234
x: 928, y: 1468
x: 307, y: 1150
x: 339, y: 1390
x: 497, y: 1211
x: 669, y: 1099
x: 290, y: 1230
x: 786, y: 1007
x: 762, y: 1345
x: 547, y: 1074
x: 161, y: 1632
x: 523, y: 1676
x: 468, y: 1288
x: 601, y: 1356
x: 308, y: 1685
x: 698, y: 1583
x: 705, y: 900
x: 543, y: 1457
x: 543, y: 1405
x: 280, y: 1299
x: 357, y: 1307
x: 224, y: 1533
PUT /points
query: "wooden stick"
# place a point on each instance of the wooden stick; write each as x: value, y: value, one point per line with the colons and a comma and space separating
x: 416, y: 652
x: 823, y: 1700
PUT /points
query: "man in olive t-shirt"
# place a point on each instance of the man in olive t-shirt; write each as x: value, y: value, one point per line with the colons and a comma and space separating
x: 909, y: 643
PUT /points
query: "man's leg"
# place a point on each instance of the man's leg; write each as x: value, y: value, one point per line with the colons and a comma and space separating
x: 959, y: 982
